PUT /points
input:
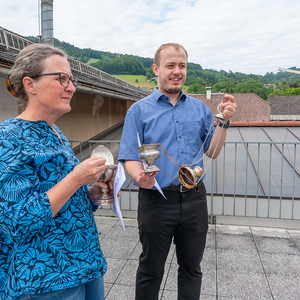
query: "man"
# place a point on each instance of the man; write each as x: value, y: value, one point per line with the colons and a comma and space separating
x: 181, y: 124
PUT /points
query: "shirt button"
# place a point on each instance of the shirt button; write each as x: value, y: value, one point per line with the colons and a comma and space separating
x: 181, y: 151
x: 176, y: 121
x: 179, y: 136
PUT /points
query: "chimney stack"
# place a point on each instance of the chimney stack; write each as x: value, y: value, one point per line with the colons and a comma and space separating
x: 208, y: 93
x: 47, y: 22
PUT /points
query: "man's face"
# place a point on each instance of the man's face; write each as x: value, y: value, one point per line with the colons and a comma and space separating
x: 171, y: 71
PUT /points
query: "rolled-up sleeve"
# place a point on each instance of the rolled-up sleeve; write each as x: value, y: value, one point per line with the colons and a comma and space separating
x: 129, y: 141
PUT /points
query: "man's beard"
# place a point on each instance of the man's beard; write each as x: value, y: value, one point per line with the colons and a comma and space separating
x: 174, y: 90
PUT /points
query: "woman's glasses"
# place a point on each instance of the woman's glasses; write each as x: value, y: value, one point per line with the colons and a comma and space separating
x: 64, y: 78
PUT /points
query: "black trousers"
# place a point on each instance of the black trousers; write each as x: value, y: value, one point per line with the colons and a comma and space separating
x: 182, y: 217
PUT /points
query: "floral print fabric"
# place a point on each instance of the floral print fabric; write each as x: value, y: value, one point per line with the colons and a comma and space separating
x: 39, y: 253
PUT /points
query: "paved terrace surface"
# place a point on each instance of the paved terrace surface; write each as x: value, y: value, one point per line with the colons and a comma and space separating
x: 239, y: 263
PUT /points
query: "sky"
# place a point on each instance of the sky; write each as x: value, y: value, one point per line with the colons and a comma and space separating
x: 253, y: 36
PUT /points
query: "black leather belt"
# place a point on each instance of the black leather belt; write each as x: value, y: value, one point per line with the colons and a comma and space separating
x: 179, y: 188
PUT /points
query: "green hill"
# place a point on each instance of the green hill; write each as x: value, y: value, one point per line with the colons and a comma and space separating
x: 138, y: 68
x: 139, y: 80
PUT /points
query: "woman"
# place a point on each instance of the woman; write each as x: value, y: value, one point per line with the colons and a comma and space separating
x: 49, y: 246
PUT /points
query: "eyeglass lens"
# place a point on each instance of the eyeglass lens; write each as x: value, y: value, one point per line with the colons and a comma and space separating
x: 64, y: 80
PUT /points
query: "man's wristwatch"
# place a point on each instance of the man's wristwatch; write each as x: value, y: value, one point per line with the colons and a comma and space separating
x: 223, y: 125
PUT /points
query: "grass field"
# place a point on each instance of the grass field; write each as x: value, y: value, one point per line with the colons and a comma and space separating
x: 92, y: 60
x: 141, y: 80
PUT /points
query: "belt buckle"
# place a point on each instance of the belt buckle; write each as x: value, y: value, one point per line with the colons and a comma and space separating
x: 184, y: 189
x: 181, y: 189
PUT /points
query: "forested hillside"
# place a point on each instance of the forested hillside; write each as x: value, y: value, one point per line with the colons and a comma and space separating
x: 197, y: 78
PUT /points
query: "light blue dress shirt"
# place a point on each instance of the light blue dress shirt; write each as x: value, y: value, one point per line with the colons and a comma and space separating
x: 180, y: 129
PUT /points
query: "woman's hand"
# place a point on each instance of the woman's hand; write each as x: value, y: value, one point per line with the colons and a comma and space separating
x: 89, y: 171
x: 95, y: 190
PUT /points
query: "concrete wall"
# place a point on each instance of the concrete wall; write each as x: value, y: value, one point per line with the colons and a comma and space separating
x: 88, y: 117
x: 90, y: 114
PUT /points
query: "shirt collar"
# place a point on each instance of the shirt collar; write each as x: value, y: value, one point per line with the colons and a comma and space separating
x: 160, y: 96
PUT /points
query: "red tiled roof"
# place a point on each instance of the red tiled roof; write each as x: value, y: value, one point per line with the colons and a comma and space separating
x: 285, y: 105
x: 250, y: 107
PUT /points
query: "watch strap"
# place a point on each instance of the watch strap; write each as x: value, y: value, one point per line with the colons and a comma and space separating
x: 223, y: 125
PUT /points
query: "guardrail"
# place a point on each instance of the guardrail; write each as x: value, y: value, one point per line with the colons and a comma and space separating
x: 251, y: 179
x: 248, y: 179
x: 13, y: 41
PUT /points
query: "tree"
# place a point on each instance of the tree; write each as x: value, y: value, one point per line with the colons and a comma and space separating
x: 133, y: 70
x: 197, y: 77
x: 249, y: 86
x: 148, y: 75
x: 196, y: 89
x: 279, y: 89
x: 292, y: 91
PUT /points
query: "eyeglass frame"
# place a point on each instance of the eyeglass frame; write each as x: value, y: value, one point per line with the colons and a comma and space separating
x: 72, y: 78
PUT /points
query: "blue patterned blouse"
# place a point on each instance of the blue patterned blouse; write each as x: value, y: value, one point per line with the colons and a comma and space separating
x: 39, y: 253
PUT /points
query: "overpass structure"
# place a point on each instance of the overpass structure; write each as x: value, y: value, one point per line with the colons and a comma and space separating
x: 91, y: 80
x: 289, y: 71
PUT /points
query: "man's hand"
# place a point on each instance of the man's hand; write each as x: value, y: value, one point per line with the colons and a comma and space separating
x: 135, y: 170
x: 145, y: 180
x: 228, y: 107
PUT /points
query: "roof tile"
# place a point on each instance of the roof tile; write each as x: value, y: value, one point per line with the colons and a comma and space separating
x: 250, y: 107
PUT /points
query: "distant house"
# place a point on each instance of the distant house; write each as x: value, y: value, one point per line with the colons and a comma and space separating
x: 251, y: 108
x: 270, y: 85
x: 285, y: 108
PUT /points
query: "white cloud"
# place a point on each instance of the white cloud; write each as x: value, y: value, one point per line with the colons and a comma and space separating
x: 255, y: 36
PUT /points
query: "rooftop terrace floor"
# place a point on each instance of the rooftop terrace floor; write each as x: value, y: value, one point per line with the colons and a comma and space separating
x: 240, y: 262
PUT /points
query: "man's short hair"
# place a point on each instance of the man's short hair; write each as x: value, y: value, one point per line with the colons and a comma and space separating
x: 163, y: 46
